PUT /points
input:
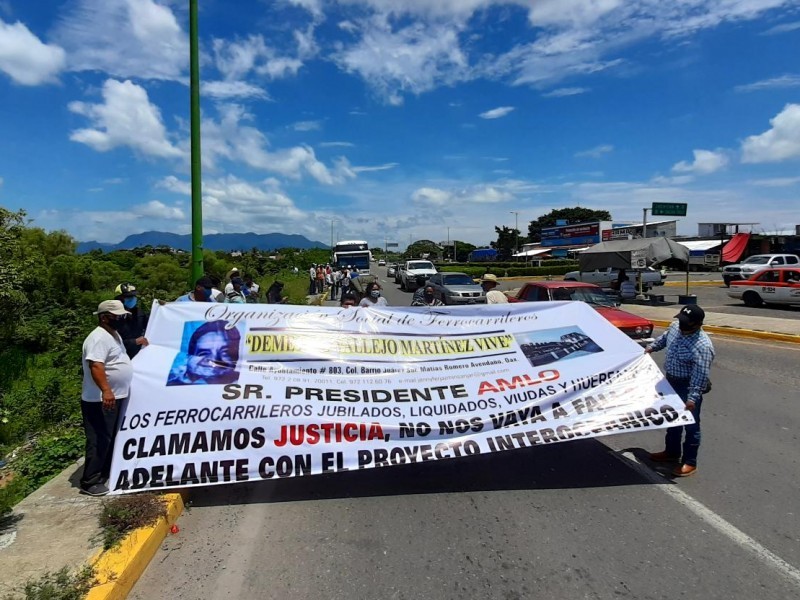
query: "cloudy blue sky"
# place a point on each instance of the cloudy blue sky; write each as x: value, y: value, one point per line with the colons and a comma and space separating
x: 396, y: 119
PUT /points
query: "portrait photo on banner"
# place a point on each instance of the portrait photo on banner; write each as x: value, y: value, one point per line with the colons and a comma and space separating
x: 209, y: 354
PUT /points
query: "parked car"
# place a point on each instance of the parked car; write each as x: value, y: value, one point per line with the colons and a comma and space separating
x: 390, y: 270
x: 381, y: 263
x: 456, y: 288
x: 635, y: 327
x: 756, y: 263
x: 605, y: 277
x: 771, y: 286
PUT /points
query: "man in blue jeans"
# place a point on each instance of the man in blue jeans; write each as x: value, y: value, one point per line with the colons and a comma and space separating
x: 688, y: 362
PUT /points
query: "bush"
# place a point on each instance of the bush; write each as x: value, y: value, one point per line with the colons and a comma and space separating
x: 50, y: 454
x: 61, y: 585
x: 126, y: 513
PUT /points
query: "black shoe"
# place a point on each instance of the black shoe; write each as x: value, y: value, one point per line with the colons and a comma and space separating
x: 98, y: 489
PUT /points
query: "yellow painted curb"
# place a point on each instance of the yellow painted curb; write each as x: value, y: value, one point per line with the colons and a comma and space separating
x: 745, y: 333
x: 118, y: 569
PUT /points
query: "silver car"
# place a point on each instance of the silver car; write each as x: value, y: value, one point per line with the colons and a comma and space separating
x: 456, y: 288
x: 390, y: 270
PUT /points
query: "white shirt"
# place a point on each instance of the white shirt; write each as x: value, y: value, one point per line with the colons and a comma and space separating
x: 496, y: 297
x: 101, y: 346
x: 366, y: 302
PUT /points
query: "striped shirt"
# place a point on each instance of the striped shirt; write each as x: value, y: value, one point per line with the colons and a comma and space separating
x: 688, y: 357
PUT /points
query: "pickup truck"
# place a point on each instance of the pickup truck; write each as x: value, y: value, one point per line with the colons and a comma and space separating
x: 605, y: 277
x: 414, y: 274
x: 757, y: 263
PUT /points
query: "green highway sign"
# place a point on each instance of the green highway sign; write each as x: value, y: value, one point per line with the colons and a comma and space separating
x: 668, y: 209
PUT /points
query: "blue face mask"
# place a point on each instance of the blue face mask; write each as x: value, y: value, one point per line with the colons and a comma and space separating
x: 209, y: 293
x: 130, y: 302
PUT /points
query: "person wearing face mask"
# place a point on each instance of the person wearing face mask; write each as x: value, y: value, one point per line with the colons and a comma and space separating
x: 107, y: 374
x: 133, y: 328
x: 427, y: 298
x: 688, y: 363
x: 372, y: 296
x: 203, y: 292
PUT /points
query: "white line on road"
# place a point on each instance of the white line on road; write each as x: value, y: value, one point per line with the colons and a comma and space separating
x: 709, y: 516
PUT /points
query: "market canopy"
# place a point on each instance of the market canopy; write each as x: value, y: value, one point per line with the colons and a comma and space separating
x: 622, y: 254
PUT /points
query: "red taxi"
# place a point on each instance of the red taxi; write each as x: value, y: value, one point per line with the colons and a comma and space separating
x: 771, y: 286
x: 635, y: 327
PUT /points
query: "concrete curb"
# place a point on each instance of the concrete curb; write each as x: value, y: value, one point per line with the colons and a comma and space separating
x: 118, y: 569
x: 736, y: 332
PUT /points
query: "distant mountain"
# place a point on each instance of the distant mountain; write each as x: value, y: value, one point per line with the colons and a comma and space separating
x: 227, y: 242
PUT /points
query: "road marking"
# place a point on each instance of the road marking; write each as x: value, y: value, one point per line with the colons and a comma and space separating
x: 709, y: 516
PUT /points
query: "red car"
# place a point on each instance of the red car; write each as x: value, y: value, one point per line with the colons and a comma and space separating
x: 635, y: 327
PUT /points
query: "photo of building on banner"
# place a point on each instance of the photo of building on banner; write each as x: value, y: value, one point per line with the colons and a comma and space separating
x: 233, y: 393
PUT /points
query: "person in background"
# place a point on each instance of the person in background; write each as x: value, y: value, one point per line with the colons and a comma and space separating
x: 107, y: 375
x: 275, y: 294
x: 236, y: 295
x: 252, y: 291
x: 203, y: 292
x: 234, y: 272
x: 320, y: 279
x: 627, y: 289
x: 616, y: 285
x: 345, y: 281
x: 493, y: 296
x: 336, y: 282
x: 372, y: 296
x: 216, y: 293
x: 312, y: 280
x: 427, y: 298
x: 349, y: 300
x: 132, y: 329
x: 688, y: 363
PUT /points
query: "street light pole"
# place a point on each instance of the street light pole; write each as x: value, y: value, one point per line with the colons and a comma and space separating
x: 516, y: 231
x: 448, y: 237
x: 194, y: 127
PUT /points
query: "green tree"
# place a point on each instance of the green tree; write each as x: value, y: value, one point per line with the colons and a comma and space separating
x: 506, y: 241
x: 422, y: 247
x: 573, y: 215
x: 462, y: 250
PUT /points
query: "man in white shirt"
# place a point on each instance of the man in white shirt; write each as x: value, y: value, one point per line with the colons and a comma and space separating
x: 107, y: 374
x: 493, y: 296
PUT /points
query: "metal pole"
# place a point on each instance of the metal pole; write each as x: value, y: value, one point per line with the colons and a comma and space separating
x: 448, y: 237
x: 197, y: 185
x: 516, y: 231
x: 331, y: 234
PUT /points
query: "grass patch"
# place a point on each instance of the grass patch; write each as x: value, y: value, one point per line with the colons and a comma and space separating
x: 59, y: 585
x: 123, y: 514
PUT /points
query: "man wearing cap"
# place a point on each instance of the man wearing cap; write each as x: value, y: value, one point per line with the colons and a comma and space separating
x: 203, y: 292
x: 688, y: 362
x: 234, y: 272
x: 493, y: 296
x: 133, y: 328
x: 107, y: 374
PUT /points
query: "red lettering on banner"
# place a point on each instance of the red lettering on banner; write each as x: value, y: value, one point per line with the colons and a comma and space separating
x: 297, y: 435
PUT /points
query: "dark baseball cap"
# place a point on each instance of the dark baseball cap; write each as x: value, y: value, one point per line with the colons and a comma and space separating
x: 691, y: 315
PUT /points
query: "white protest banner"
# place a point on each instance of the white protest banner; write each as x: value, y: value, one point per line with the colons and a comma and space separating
x: 243, y: 392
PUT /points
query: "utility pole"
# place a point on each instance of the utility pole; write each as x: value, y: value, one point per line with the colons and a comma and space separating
x: 448, y: 238
x: 644, y: 222
x: 194, y: 110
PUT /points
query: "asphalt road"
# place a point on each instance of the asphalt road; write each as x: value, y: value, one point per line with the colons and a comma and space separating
x: 572, y: 520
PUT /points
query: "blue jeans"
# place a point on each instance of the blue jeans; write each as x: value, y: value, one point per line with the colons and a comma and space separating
x: 691, y: 442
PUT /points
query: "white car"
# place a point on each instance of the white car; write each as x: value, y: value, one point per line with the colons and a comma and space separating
x: 756, y: 263
x: 771, y: 286
x: 381, y: 263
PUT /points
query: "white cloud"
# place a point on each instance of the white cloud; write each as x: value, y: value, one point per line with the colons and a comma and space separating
x: 496, y: 113
x: 232, y: 204
x: 784, y: 81
x: 226, y: 90
x: 336, y: 144
x: 173, y: 184
x: 25, y: 58
x: 595, y: 152
x: 158, y: 210
x: 240, y: 58
x: 705, y: 162
x: 776, y: 182
x: 780, y: 142
x: 478, y: 194
x: 783, y: 28
x: 564, y: 92
x: 383, y: 167
x: 124, y: 38
x: 676, y: 180
x: 125, y: 118
x: 413, y: 59
x: 307, y: 126
x: 230, y: 139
